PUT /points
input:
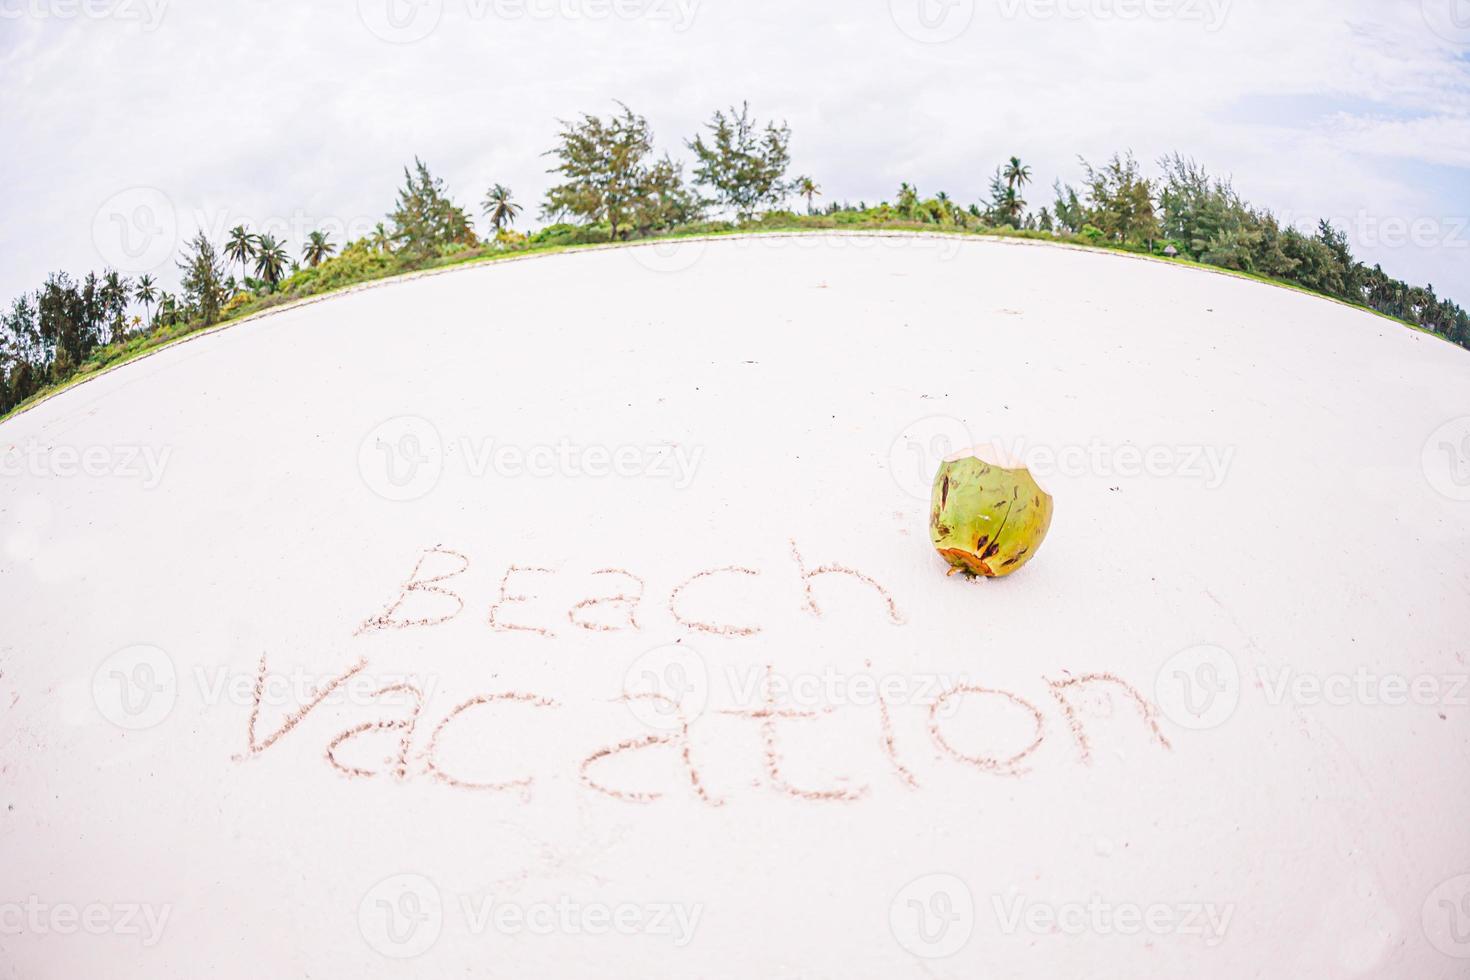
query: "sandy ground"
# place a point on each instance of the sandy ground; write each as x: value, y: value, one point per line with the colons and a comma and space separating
x: 613, y: 574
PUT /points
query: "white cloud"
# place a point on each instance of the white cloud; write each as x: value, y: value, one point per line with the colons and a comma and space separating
x: 297, y: 113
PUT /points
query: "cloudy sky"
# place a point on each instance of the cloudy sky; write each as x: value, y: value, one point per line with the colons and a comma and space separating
x: 127, y: 124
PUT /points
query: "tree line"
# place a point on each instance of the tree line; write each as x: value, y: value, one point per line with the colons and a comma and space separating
x: 611, y: 184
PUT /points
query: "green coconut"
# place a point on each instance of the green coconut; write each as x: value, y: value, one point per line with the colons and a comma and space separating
x: 987, y: 519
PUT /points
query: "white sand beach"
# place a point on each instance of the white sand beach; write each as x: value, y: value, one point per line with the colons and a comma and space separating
x: 503, y: 519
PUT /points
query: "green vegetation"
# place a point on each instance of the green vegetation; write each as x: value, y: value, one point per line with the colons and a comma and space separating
x: 613, y: 187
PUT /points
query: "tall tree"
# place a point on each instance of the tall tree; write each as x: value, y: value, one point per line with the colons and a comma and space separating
x: 662, y: 200
x: 1017, y: 174
x: 743, y: 163
x: 499, y: 207
x: 602, y: 164
x: 318, y: 249
x: 1006, y: 203
x: 425, y: 221
x: 907, y: 204
x: 270, y: 259
x: 145, y: 292
x: 808, y: 189
x: 1071, y: 215
x: 380, y: 240
x: 203, y: 278
x: 65, y: 320
x: 1121, y: 201
x: 115, y: 294
x: 240, y: 247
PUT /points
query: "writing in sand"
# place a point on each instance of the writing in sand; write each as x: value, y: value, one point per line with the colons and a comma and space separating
x: 649, y: 741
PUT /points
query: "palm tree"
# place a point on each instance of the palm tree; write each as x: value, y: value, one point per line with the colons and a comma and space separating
x: 318, y: 249
x: 498, y: 207
x: 381, y: 241
x: 270, y: 259
x: 1010, y: 207
x: 808, y: 189
x: 115, y: 295
x: 145, y: 293
x: 241, y: 247
x: 908, y: 200
x: 1017, y: 174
